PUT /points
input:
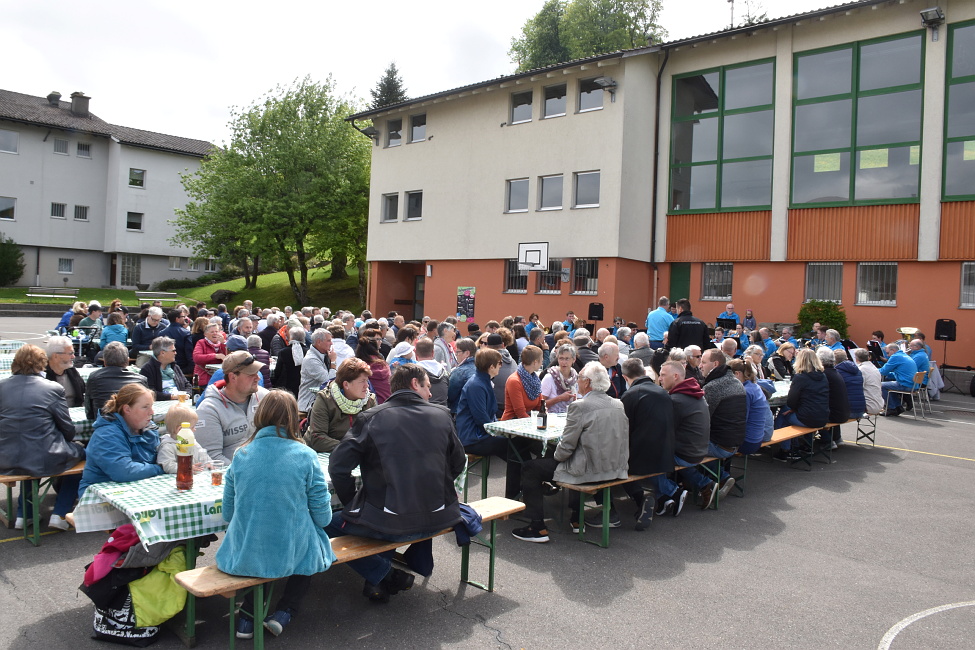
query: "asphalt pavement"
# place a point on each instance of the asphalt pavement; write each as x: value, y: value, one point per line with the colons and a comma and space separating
x: 871, y: 551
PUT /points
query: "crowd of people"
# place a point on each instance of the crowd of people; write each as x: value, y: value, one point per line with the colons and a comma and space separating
x: 404, y: 401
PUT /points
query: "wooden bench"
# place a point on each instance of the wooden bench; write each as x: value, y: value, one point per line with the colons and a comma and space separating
x: 209, y: 581
x: 591, y: 489
x: 161, y: 296
x: 52, y: 292
x: 32, y: 500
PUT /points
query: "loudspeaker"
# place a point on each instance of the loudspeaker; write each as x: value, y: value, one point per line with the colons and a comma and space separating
x: 596, y: 311
x: 944, y: 329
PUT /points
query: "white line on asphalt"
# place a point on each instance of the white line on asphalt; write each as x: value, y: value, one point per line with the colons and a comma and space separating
x: 897, y: 629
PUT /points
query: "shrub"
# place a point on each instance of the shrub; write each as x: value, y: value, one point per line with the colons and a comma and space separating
x: 11, y: 261
x: 826, y: 313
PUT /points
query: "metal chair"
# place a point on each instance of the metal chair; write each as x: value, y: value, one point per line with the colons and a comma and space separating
x: 914, y: 393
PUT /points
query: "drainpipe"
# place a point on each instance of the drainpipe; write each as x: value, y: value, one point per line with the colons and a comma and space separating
x: 653, y: 181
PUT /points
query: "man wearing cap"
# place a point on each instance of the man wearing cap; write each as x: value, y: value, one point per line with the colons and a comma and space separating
x: 584, y: 353
x: 92, y: 327
x: 235, y: 343
x: 226, y: 412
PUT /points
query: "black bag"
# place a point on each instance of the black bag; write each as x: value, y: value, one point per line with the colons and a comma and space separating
x: 971, y: 387
x: 117, y: 625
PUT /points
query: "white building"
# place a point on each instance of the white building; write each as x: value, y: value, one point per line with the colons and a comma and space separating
x: 90, y: 202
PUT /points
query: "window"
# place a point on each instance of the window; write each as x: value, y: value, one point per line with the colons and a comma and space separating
x: 585, y: 275
x: 968, y: 285
x: 81, y: 213
x: 7, y: 207
x: 590, y: 95
x: 61, y: 146
x: 84, y: 150
x: 394, y: 133
x: 515, y: 279
x: 716, y: 281
x: 210, y: 265
x: 959, y: 174
x: 824, y: 281
x: 174, y: 264
x: 517, y: 195
x: 877, y: 283
x: 414, y: 205
x: 65, y: 265
x: 857, y: 123
x: 587, y: 190
x: 193, y: 265
x: 131, y: 266
x: 58, y: 210
x: 133, y: 221
x: 9, y: 141
x: 390, y: 207
x: 721, y: 139
x: 550, y: 281
x: 555, y: 101
x: 550, y: 194
x: 137, y: 177
x: 418, y: 128
x: 521, y: 107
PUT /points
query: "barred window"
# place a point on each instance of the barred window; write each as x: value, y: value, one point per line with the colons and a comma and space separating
x: 824, y: 281
x: 877, y: 283
x: 81, y: 213
x: 57, y: 210
x: 515, y: 279
x: 65, y: 265
x: 60, y: 146
x: 716, y: 281
x: 968, y: 285
x: 550, y: 280
x: 585, y: 275
x: 84, y: 150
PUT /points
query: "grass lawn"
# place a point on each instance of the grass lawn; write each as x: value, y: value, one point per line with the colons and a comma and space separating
x: 272, y: 290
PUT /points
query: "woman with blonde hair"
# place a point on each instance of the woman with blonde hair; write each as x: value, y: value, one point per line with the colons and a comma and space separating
x: 780, y: 363
x: 123, y: 446
x: 808, y: 401
x: 288, y: 540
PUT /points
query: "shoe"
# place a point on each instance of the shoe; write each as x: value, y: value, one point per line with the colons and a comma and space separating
x: 679, y: 500
x: 726, y: 486
x: 644, y: 515
x: 596, y: 520
x: 529, y: 534
x: 398, y: 581
x: 893, y: 413
x: 19, y: 524
x: 375, y: 593
x: 575, y: 526
x: 664, y: 505
x: 784, y: 456
x: 57, y: 522
x: 275, y: 622
x: 550, y: 489
x: 708, y: 492
x: 245, y: 628
x: 833, y: 445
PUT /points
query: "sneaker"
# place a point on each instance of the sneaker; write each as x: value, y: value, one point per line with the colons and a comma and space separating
x: 679, y: 500
x: 833, y: 445
x: 245, y: 628
x: 893, y: 413
x: 644, y: 515
x: 19, y: 524
x: 529, y: 534
x: 57, y: 522
x: 726, y: 486
x: 596, y: 520
x: 575, y: 526
x: 708, y: 492
x: 375, y: 593
x: 275, y: 622
x: 664, y: 505
x: 783, y: 455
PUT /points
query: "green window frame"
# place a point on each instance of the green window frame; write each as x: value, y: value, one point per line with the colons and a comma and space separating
x: 735, y: 167
x: 958, y: 181
x: 864, y: 160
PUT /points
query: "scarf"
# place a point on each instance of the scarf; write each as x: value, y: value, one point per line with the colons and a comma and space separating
x: 562, y: 384
x: 168, y: 372
x: 297, y: 352
x: 531, y: 382
x: 346, y: 405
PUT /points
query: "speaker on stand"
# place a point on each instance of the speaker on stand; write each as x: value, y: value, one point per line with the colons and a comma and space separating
x: 944, y: 330
x: 595, y: 314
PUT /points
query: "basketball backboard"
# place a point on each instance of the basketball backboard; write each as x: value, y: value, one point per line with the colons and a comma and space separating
x: 533, y: 256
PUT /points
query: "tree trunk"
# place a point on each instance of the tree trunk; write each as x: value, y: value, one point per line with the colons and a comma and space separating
x: 361, y: 265
x: 289, y: 268
x: 303, y: 271
x: 340, y: 260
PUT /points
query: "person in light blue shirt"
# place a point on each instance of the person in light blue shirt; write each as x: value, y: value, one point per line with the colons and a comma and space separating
x: 658, y: 322
x: 833, y: 340
x: 915, y: 350
x: 729, y: 313
x: 901, y: 368
x: 768, y: 343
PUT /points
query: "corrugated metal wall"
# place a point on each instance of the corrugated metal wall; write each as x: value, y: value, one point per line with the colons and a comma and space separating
x: 858, y: 233
x: 958, y: 230
x: 719, y: 237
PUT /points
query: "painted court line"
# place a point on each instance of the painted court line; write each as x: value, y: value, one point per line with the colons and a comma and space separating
x: 897, y: 629
x: 927, y: 453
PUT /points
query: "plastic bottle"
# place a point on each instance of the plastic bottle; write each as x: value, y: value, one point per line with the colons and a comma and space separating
x: 184, y: 458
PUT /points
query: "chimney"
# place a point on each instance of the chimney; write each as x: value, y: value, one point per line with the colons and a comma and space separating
x: 54, y: 98
x: 79, y: 104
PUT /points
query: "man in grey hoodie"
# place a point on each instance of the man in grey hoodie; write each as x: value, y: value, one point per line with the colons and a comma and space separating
x: 436, y: 371
x: 226, y: 411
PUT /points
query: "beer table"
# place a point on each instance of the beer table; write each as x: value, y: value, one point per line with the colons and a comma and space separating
x: 527, y: 428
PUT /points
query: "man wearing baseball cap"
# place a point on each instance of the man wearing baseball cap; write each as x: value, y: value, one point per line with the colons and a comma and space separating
x: 226, y: 413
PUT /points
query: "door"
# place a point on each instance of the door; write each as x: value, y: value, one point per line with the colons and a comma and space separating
x: 419, y: 283
x: 680, y: 281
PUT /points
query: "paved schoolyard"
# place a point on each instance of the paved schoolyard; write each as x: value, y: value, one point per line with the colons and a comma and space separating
x: 837, y: 557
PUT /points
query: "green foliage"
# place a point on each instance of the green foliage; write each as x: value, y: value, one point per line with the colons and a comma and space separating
x: 225, y: 273
x: 571, y: 29
x: 11, y: 261
x: 389, y: 89
x: 275, y: 291
x: 826, y: 313
x: 755, y: 13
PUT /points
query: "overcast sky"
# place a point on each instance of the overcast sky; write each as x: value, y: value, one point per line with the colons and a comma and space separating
x: 176, y: 67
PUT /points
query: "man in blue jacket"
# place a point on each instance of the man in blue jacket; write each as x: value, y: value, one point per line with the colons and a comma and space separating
x: 901, y: 368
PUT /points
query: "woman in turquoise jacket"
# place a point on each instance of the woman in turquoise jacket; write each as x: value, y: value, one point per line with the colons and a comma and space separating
x: 277, y: 504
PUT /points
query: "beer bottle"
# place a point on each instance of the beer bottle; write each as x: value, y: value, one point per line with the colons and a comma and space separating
x: 542, y: 422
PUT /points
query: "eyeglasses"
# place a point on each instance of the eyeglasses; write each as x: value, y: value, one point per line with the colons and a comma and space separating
x: 696, y: 356
x: 243, y: 364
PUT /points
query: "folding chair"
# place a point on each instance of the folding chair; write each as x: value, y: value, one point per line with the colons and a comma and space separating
x: 914, y: 393
x: 867, y: 428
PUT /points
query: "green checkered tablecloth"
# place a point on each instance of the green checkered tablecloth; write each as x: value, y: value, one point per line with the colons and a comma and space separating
x: 160, y: 512
x: 781, y: 394
x: 5, y: 360
x: 84, y: 427
x: 86, y: 372
x: 526, y: 428
x: 10, y: 346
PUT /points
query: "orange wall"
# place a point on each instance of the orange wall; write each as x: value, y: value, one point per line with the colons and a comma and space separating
x: 958, y: 230
x: 872, y: 232
x: 698, y: 237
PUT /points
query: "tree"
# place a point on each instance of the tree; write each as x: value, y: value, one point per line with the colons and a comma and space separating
x: 570, y: 29
x: 826, y: 313
x: 292, y: 184
x: 389, y: 89
x: 755, y: 13
x: 11, y: 261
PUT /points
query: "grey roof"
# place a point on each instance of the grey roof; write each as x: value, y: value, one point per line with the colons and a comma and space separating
x: 29, y: 109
